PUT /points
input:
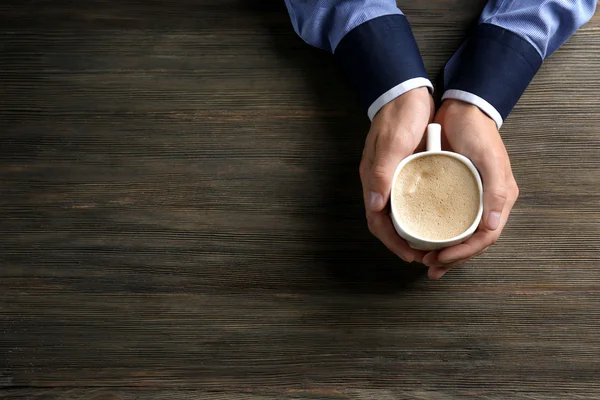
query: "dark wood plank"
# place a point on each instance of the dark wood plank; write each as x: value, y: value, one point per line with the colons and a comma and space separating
x: 180, y: 209
x: 257, y: 394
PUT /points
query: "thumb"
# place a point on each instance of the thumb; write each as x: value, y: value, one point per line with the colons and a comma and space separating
x: 388, y: 155
x: 380, y: 183
x: 494, y: 191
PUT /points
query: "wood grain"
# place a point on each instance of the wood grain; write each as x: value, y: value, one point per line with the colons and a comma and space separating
x: 296, y: 394
x: 181, y: 217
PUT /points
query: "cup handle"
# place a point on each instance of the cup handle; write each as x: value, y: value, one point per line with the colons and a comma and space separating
x: 434, y: 137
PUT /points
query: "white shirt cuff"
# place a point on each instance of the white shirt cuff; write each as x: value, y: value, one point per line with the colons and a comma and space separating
x: 477, y: 101
x: 397, y: 91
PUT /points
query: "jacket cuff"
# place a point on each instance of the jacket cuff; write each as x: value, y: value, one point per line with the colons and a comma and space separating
x: 495, y: 66
x: 382, y: 61
x: 477, y: 101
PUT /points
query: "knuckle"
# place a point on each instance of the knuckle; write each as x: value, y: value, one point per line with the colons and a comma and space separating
x: 515, y: 189
x: 499, y: 194
x: 379, y: 173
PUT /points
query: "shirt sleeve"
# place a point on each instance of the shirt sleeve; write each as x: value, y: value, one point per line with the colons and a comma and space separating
x: 372, y: 41
x: 495, y: 65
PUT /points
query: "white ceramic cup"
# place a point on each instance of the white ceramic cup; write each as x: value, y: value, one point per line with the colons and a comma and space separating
x: 434, y: 147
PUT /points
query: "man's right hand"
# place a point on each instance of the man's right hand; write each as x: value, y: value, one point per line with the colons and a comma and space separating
x: 396, y: 132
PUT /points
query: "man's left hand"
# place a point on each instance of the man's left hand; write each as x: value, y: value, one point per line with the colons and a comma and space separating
x: 470, y: 132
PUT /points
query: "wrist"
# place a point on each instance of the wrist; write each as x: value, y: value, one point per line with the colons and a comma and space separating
x: 465, y: 109
x: 419, y: 97
x: 459, y: 105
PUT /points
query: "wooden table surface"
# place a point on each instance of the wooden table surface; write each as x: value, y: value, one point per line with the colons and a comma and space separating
x: 181, y: 218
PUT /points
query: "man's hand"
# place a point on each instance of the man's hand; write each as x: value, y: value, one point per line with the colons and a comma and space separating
x: 470, y: 132
x: 396, y: 132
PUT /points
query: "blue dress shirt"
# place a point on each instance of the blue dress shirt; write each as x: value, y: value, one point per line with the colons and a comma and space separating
x: 374, y: 44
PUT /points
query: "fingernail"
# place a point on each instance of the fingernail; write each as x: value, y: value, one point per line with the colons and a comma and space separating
x: 376, y: 201
x: 436, y: 273
x: 442, y: 273
x: 493, y: 221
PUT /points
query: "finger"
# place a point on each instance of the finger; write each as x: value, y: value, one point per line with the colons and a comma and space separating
x: 389, y: 150
x: 482, y: 239
x: 419, y: 255
x: 435, y: 272
x: 381, y: 226
x: 461, y: 261
x: 365, y: 167
x: 373, y: 197
x: 431, y: 260
x: 495, y: 193
x: 469, y: 248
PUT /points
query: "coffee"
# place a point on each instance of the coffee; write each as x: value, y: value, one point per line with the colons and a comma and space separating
x: 436, y: 197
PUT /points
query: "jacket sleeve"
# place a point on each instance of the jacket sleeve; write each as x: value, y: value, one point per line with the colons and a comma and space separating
x: 372, y: 41
x: 497, y: 62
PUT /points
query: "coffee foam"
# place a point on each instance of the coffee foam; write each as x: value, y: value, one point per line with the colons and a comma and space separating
x: 436, y: 197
